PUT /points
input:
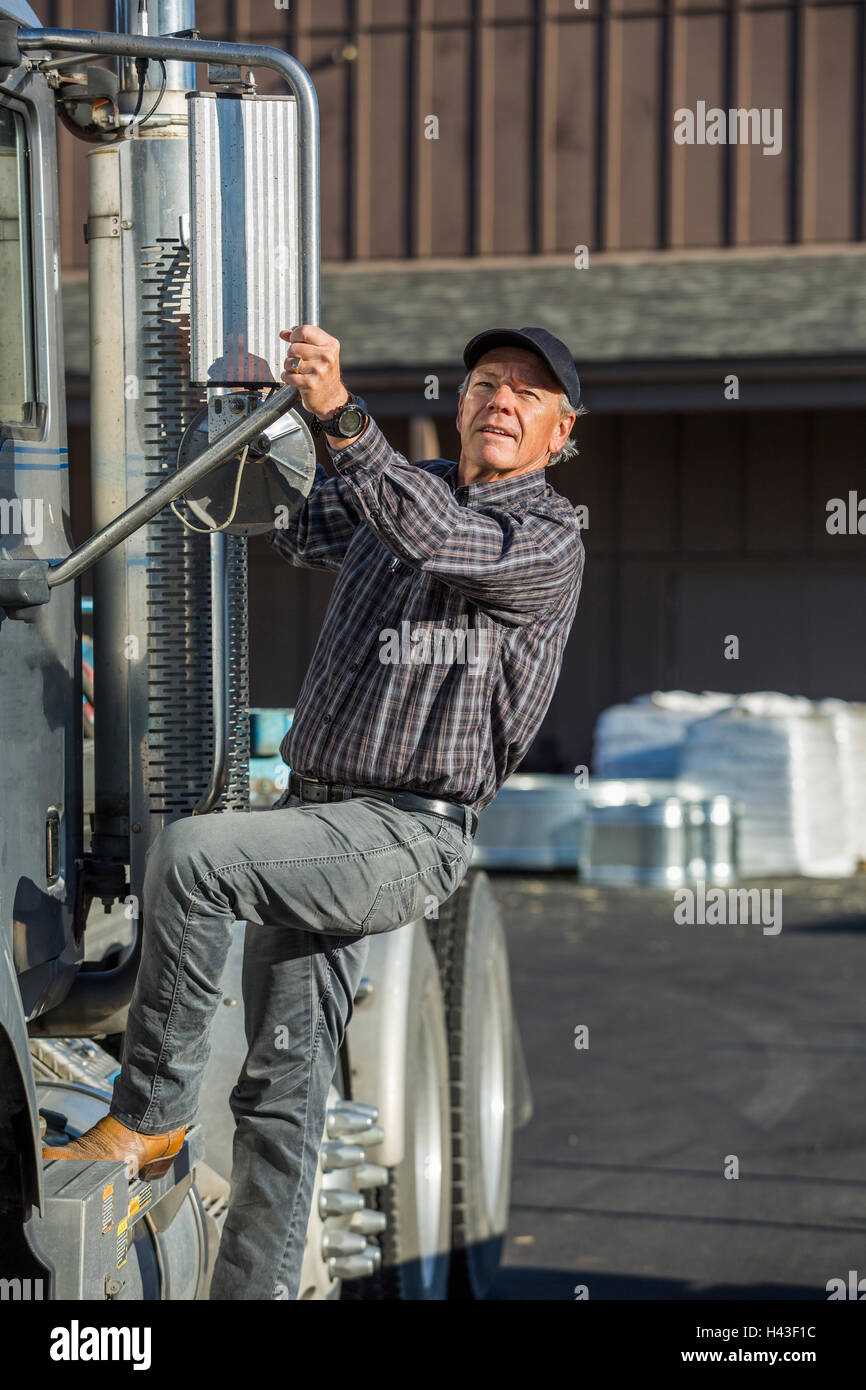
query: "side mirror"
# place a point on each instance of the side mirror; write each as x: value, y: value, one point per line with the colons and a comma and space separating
x: 241, y: 496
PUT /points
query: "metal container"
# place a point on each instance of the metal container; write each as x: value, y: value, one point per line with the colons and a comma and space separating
x: 658, y: 833
x: 613, y: 830
x: 535, y: 822
x: 633, y: 842
x: 711, y: 839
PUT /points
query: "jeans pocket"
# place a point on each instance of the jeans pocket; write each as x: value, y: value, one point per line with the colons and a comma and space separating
x: 456, y: 837
x: 403, y: 900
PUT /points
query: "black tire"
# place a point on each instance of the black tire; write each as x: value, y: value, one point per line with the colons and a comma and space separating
x: 472, y: 958
x: 415, y: 1244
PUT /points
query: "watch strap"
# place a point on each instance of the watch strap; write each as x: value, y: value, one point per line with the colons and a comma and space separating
x: 319, y: 427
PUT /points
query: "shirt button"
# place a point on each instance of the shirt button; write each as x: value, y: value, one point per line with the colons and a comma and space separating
x: 326, y: 719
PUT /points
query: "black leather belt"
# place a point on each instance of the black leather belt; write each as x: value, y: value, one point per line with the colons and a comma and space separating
x: 312, y: 789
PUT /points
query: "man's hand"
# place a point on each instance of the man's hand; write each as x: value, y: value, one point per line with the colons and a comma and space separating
x: 313, y: 365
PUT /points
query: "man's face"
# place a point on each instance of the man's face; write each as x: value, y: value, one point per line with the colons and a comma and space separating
x: 508, y: 416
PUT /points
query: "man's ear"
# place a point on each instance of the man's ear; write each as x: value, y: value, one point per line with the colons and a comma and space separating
x: 566, y: 424
x: 459, y: 410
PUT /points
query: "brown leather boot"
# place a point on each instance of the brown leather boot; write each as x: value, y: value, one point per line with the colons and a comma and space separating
x: 147, y: 1155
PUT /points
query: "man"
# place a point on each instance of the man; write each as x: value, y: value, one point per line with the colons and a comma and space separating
x: 391, y: 760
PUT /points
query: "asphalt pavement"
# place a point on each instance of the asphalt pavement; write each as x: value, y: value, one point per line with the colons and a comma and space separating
x: 712, y: 1050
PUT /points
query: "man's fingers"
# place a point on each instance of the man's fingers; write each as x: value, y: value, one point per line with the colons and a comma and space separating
x: 306, y: 350
x: 314, y: 359
x: 308, y: 333
x: 312, y: 364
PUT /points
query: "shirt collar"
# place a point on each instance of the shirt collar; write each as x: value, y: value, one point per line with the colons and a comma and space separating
x: 497, y: 491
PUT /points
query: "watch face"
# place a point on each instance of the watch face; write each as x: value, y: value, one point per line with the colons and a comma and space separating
x: 351, y: 421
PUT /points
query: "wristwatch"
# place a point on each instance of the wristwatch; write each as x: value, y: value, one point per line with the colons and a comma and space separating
x: 349, y: 420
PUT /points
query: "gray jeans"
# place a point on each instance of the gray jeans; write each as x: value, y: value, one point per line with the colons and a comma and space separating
x: 312, y: 881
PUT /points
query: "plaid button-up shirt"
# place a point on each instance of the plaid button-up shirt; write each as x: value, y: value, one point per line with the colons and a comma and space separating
x: 443, y: 638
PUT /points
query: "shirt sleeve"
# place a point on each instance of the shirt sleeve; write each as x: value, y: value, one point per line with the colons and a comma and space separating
x: 317, y: 535
x: 515, y: 565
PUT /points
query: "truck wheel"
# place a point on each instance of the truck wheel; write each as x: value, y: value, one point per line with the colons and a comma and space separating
x: 321, y: 1268
x: 415, y: 1242
x: 472, y: 957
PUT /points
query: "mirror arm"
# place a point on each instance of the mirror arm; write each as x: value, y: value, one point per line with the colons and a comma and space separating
x: 117, y: 530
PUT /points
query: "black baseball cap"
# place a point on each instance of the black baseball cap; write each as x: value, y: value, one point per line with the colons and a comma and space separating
x: 537, y: 340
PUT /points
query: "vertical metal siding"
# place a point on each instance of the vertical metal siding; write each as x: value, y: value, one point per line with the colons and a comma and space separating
x: 556, y: 124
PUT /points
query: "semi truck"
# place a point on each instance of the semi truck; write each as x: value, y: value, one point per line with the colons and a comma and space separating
x: 203, y: 242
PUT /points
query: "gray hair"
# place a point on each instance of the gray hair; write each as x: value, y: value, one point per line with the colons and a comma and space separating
x: 569, y: 449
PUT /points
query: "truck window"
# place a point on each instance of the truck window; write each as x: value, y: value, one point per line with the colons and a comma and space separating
x: 17, y: 379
